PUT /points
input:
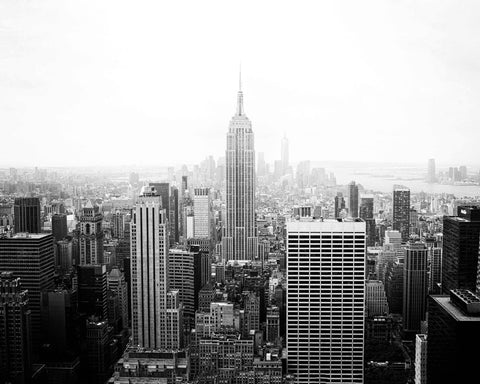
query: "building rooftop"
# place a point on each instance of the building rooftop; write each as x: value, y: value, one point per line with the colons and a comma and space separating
x: 26, y: 235
x: 454, y: 311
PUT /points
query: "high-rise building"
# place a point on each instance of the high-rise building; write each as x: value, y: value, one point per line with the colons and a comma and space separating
x: 174, y: 235
x: 366, y: 213
x: 461, y: 235
x: 202, y: 209
x: 27, y: 215
x: 325, y: 301
x: 117, y: 283
x: 376, y: 299
x: 352, y: 200
x: 91, y: 235
x: 284, y: 155
x: 431, y: 175
x: 92, y: 290
x: 415, y: 286
x: 156, y: 310
x: 272, y: 327
x: 435, y: 270
x: 99, y: 359
x: 250, y: 321
x: 240, y: 241
x: 453, y: 337
x: 421, y: 359
x: 31, y: 258
x: 339, y: 204
x: 401, y: 211
x: 118, y: 225
x: 59, y: 226
x: 15, y: 331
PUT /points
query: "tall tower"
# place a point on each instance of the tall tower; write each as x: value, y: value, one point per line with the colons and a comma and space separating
x: 240, y: 240
x: 431, y: 175
x: 352, y: 199
x: 401, y: 211
x: 15, y: 340
x: 284, y: 155
x: 202, y: 208
x: 91, y: 235
x: 415, y: 289
x: 326, y: 300
x: 156, y: 311
x: 27, y: 215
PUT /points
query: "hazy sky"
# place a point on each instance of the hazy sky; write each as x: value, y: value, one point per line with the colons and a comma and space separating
x: 155, y: 82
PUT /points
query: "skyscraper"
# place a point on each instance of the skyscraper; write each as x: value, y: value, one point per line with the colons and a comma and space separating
x: 339, y: 204
x: 453, y: 337
x: 15, y: 331
x: 27, y: 215
x: 59, y: 226
x: 240, y: 240
x: 91, y: 235
x: 284, y: 156
x: 325, y: 301
x: 156, y: 310
x: 202, y: 210
x: 461, y: 235
x: 415, y: 288
x: 401, y: 211
x: 352, y: 200
x: 30, y: 257
x: 92, y: 290
x: 366, y: 213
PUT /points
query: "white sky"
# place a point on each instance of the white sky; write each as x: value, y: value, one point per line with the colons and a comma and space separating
x: 154, y: 82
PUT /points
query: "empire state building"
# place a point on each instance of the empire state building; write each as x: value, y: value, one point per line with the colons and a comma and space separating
x: 240, y: 240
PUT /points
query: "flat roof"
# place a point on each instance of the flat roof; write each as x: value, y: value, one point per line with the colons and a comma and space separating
x: 455, y: 312
x: 22, y: 235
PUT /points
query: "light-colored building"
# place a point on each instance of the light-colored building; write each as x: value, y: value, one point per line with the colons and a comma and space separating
x: 202, y: 208
x: 240, y: 241
x: 376, y: 299
x: 326, y: 300
x: 421, y: 359
x: 156, y: 310
x: 91, y: 235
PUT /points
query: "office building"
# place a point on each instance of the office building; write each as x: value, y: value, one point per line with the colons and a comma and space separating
x: 26, y: 213
x: 156, y: 310
x: 99, y: 358
x: 174, y: 235
x: 202, y: 208
x: 272, y: 327
x: 59, y: 226
x: 453, y: 337
x: 117, y: 283
x: 352, y: 200
x: 31, y: 258
x: 240, y: 241
x: 421, y: 359
x: 376, y: 299
x: 325, y: 300
x: 15, y: 331
x: 415, y: 286
x: 118, y: 225
x: 92, y: 290
x: 461, y: 236
x: 339, y: 204
x: 435, y: 270
x: 250, y: 315
x: 401, y: 211
x: 91, y: 235
x: 366, y: 213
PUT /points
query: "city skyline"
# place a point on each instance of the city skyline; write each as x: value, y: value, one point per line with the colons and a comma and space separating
x: 101, y: 82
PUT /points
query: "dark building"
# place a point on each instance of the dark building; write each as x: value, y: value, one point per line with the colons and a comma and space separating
x: 339, y: 204
x: 98, y: 355
x: 15, y: 331
x: 27, y: 215
x: 59, y: 226
x: 415, y: 286
x: 461, y: 236
x: 31, y: 258
x: 92, y: 290
x: 352, y: 199
x: 401, y: 211
x: 453, y: 337
x: 366, y: 213
x: 174, y: 212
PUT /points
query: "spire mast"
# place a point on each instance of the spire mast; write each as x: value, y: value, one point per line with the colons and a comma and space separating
x: 240, y: 94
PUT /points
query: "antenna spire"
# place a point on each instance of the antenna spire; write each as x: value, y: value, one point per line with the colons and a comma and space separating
x: 240, y: 94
